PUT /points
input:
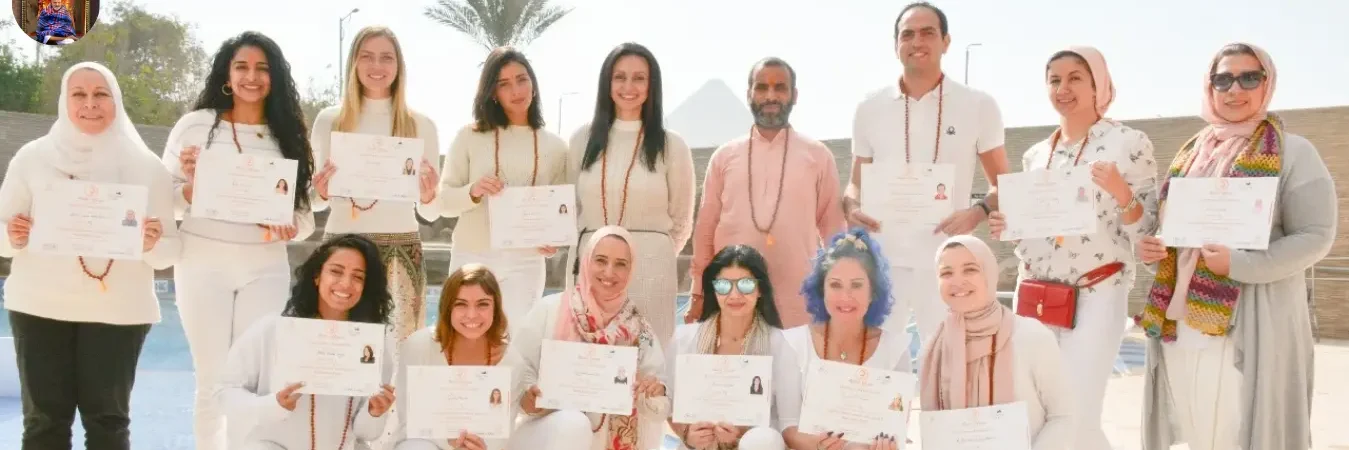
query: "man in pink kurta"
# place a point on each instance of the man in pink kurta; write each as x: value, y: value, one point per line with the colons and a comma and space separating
x: 775, y: 189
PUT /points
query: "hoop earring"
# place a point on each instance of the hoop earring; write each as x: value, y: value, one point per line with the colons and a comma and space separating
x: 225, y: 89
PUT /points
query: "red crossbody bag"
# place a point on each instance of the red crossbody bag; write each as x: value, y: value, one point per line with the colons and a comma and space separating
x: 1054, y: 303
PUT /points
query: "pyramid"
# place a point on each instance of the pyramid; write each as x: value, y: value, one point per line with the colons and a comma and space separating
x: 711, y: 116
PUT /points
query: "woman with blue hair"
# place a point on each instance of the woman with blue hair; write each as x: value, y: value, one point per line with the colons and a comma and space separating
x: 848, y: 297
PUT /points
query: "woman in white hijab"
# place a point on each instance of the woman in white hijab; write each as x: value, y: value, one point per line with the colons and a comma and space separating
x: 79, y: 322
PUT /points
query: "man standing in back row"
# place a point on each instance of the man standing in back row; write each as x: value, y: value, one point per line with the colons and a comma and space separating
x: 925, y: 129
x: 775, y: 189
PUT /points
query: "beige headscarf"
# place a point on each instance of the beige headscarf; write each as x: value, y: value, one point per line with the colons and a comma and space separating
x: 1100, y: 76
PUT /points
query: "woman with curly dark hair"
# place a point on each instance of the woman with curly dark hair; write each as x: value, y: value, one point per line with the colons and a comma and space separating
x: 232, y: 274
x: 343, y: 280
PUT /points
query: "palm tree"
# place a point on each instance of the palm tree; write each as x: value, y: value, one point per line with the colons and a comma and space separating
x: 497, y: 23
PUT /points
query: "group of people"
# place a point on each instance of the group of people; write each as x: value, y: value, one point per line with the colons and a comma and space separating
x: 801, y: 280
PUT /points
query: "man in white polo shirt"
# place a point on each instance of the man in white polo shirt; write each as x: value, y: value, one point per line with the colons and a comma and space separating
x: 915, y: 144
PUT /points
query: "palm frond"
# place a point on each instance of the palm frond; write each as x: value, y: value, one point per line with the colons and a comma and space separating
x: 496, y: 23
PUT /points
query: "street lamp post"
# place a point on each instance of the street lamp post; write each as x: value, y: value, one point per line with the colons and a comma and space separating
x: 559, y: 109
x: 341, y: 37
x: 967, y: 61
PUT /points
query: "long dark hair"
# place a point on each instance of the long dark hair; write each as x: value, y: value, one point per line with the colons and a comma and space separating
x: 653, y: 120
x: 281, y: 107
x: 375, y: 304
x: 487, y: 110
x: 745, y: 257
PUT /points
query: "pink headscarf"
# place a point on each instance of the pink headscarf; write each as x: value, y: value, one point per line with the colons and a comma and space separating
x: 566, y: 329
x: 955, y: 370
x: 1100, y: 76
x: 1217, y: 146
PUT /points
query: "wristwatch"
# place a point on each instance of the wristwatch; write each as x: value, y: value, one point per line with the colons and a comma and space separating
x: 1133, y: 201
x: 983, y: 206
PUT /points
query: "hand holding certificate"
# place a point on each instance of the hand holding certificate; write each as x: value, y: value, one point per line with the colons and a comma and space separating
x: 244, y: 188
x: 587, y: 377
x: 376, y: 167
x: 860, y: 402
x: 446, y: 400
x: 532, y: 217
x: 1233, y: 212
x: 998, y: 427
x: 734, y: 389
x: 330, y: 357
x: 81, y: 218
x: 1048, y: 203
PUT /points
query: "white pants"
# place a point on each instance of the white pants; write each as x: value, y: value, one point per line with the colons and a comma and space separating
x: 915, y: 292
x: 1089, y: 351
x: 221, y: 289
x: 559, y: 430
x: 521, y: 274
x: 1205, y: 393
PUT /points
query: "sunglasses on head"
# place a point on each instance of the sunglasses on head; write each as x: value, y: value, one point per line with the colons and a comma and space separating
x: 746, y: 286
x: 1223, y: 82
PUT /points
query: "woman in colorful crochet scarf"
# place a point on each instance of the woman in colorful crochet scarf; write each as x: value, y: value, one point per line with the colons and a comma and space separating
x: 1230, y: 348
x: 55, y: 23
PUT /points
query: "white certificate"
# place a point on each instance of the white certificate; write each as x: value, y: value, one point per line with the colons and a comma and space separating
x: 911, y: 196
x: 444, y: 400
x: 535, y: 216
x: 82, y: 218
x: 734, y: 389
x: 998, y: 427
x: 1233, y: 212
x: 244, y: 188
x: 376, y: 167
x: 331, y: 357
x: 587, y: 377
x: 858, y: 401
x: 1048, y: 203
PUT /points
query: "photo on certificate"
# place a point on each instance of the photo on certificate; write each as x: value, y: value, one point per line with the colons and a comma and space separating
x: 1048, y: 203
x: 915, y: 195
x: 734, y: 389
x: 244, y: 188
x: 443, y: 400
x: 376, y: 167
x: 331, y: 357
x: 858, y: 401
x: 997, y: 427
x: 1233, y: 212
x: 89, y: 219
x: 533, y: 216
x: 587, y: 377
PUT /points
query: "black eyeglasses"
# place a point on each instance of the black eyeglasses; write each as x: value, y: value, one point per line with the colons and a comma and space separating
x: 746, y: 286
x: 1223, y: 82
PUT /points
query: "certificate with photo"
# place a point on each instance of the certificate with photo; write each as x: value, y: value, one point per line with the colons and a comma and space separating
x: 83, y: 218
x: 734, y: 389
x: 587, y: 377
x: 376, y: 167
x: 242, y: 188
x: 1233, y: 212
x: 533, y: 216
x: 331, y: 357
x: 997, y: 427
x: 444, y: 400
x: 910, y: 196
x: 1048, y: 203
x: 860, y: 402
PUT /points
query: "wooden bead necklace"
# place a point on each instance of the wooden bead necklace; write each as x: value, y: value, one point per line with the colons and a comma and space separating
x: 941, y: 98
x: 1053, y: 147
x: 843, y: 355
x: 102, y: 285
x: 496, y: 156
x: 782, y: 176
x: 604, y: 182
x: 313, y: 433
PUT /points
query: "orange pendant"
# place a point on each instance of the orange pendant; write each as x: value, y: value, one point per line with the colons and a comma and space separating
x: 102, y: 286
x: 267, y: 235
x: 769, y: 239
x: 1058, y: 240
x: 354, y: 212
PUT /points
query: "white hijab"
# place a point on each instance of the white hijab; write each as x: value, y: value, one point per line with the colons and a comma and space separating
x: 92, y: 157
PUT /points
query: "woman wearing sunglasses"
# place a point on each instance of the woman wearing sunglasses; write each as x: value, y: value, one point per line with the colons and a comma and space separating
x: 742, y: 321
x: 848, y: 297
x: 1124, y: 171
x: 1230, y: 348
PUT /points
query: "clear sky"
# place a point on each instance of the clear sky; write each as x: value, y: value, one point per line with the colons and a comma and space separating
x: 1157, y: 49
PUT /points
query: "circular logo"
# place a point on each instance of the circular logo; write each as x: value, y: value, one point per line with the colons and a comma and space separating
x: 55, y: 22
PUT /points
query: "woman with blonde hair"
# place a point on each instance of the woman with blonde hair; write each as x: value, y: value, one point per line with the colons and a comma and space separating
x: 1230, y: 348
x: 471, y: 330
x: 374, y: 102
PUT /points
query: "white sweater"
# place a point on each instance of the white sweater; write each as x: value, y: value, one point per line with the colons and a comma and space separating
x: 246, y: 393
x: 192, y: 129
x: 471, y: 158
x: 526, y: 351
x: 421, y: 349
x: 55, y: 287
x: 385, y: 216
